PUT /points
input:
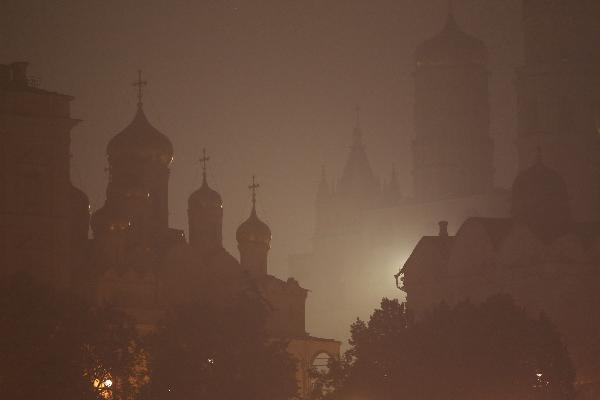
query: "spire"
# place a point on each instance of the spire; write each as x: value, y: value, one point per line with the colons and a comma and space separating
x: 253, y: 188
x: 394, y: 186
x: 357, y: 176
x: 323, y: 190
x: 140, y: 88
x: 357, y: 129
x: 450, y: 19
x: 203, y: 160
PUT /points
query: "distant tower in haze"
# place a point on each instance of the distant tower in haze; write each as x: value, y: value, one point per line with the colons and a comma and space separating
x: 205, y: 216
x: 339, y: 207
x: 254, y: 240
x: 358, y: 181
x: 452, y: 149
x: 558, y: 92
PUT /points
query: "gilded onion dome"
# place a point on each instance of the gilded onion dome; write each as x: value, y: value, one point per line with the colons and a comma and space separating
x: 140, y: 140
x: 451, y: 46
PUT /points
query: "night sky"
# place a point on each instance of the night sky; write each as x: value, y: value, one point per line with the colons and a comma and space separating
x: 268, y: 87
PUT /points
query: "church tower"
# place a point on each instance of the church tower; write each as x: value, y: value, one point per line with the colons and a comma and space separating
x: 558, y: 93
x: 137, y: 193
x: 205, y: 216
x: 339, y: 208
x: 452, y: 149
x: 254, y: 240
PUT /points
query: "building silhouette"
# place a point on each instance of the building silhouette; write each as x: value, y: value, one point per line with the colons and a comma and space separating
x: 43, y: 226
x: 546, y: 253
x: 365, y: 229
x: 539, y: 255
x: 134, y: 260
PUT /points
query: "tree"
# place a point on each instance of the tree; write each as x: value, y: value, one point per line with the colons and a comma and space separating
x: 215, y: 350
x: 54, y: 345
x: 493, y: 350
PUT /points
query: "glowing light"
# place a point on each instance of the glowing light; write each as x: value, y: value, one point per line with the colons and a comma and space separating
x: 102, y: 385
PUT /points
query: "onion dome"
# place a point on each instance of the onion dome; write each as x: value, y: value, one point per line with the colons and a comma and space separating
x: 541, y: 200
x: 451, y: 46
x: 205, y: 197
x: 253, y: 230
x: 140, y: 140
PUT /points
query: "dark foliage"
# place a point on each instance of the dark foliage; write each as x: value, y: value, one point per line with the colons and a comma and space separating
x: 53, y: 345
x: 208, y: 350
x: 494, y: 350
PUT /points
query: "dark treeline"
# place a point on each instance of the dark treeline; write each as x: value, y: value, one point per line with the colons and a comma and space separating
x: 54, y: 345
x: 492, y: 351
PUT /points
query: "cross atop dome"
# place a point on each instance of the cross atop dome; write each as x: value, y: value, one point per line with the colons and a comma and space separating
x: 139, y: 84
x: 203, y: 160
x: 253, y: 188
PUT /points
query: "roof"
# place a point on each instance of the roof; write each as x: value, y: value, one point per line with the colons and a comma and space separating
x: 357, y: 176
x: 451, y: 46
x: 496, y: 228
x: 439, y: 245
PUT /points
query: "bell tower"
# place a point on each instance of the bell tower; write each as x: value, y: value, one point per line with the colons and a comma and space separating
x: 452, y: 149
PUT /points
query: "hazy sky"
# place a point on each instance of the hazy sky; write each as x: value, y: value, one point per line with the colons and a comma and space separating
x: 268, y: 87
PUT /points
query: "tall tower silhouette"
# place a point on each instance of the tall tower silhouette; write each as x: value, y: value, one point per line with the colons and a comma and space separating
x: 452, y: 149
x: 558, y: 91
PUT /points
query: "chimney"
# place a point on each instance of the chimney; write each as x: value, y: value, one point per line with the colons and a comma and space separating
x: 443, y: 228
x: 19, y: 73
x: 4, y: 75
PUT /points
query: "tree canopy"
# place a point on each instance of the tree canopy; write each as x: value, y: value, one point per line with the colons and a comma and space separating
x: 54, y: 345
x: 219, y: 350
x: 493, y: 350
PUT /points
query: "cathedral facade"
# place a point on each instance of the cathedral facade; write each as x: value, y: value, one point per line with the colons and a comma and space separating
x: 134, y: 259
